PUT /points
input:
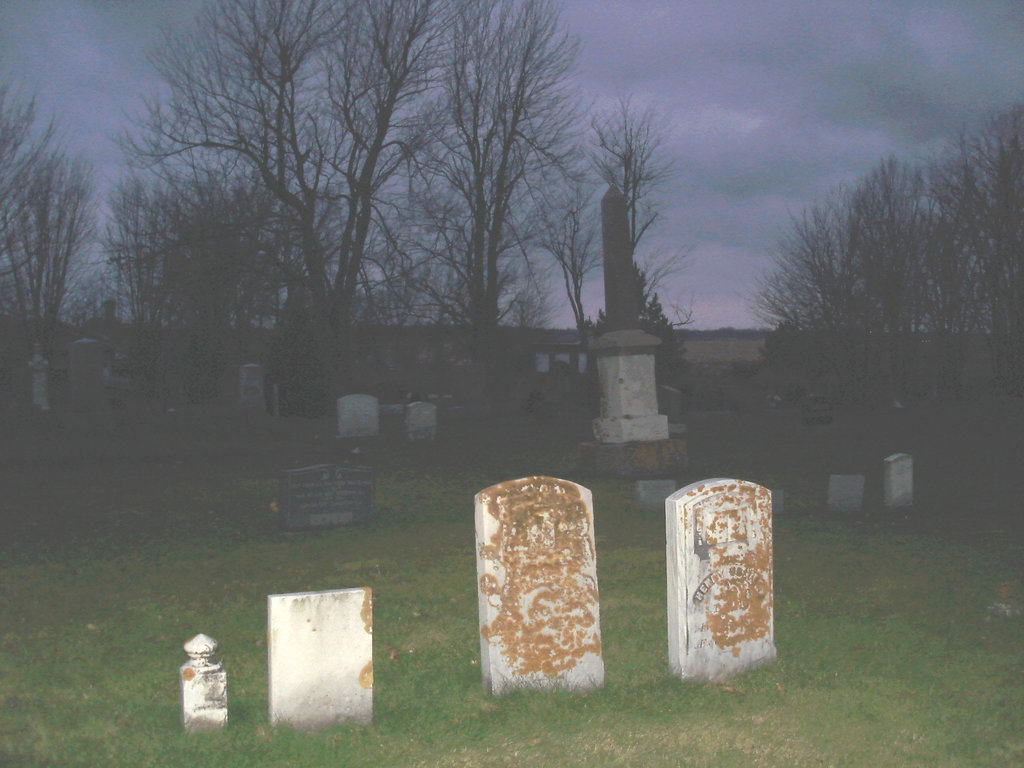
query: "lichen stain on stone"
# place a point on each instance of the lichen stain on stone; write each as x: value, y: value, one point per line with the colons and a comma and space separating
x: 742, y: 594
x: 366, y: 675
x: 188, y: 674
x: 546, y: 602
x: 366, y: 612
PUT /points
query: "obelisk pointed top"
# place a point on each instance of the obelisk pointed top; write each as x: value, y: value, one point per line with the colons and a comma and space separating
x: 621, y: 302
x: 612, y: 193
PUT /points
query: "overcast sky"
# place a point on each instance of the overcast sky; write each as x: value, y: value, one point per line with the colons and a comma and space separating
x: 769, y: 104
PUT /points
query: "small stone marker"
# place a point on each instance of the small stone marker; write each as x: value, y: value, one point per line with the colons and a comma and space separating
x: 540, y: 623
x: 651, y: 494
x: 320, y: 651
x: 39, y: 368
x: 358, y: 416
x: 720, y: 583
x: 898, y: 480
x: 204, y: 687
x: 324, y: 496
x: 250, y: 385
x: 845, y: 493
x: 421, y: 421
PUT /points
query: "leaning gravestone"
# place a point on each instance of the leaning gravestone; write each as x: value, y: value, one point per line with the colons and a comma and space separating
x: 720, y: 584
x: 250, y: 385
x: 88, y: 381
x: 324, y: 496
x: 898, y: 480
x: 536, y: 566
x: 845, y: 493
x: 421, y: 421
x: 358, y: 416
x: 320, y: 653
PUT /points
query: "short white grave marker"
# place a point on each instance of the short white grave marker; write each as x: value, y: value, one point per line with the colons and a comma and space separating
x: 898, y: 480
x: 720, y: 582
x: 540, y: 623
x: 204, y: 687
x: 320, y: 649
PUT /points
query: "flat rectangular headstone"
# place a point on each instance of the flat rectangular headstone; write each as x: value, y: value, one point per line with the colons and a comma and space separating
x: 540, y: 624
x: 320, y: 653
x: 250, y: 385
x: 324, y: 496
x: 720, y: 580
x: 898, y: 480
x: 358, y: 416
x: 421, y: 421
x: 845, y: 493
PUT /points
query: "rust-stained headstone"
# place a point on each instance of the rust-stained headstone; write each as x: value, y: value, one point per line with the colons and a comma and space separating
x: 720, y: 595
x: 537, y: 586
x: 320, y: 654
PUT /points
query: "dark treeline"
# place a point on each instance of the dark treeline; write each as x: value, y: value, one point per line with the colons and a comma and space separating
x: 313, y: 170
x: 881, y: 289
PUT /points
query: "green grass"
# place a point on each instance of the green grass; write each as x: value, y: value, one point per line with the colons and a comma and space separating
x: 886, y: 653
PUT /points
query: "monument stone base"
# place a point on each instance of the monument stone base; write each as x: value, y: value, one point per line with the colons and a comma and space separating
x: 636, y: 460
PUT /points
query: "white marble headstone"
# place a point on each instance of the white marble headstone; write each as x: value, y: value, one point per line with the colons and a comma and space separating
x: 358, y: 416
x: 720, y: 580
x: 421, y: 421
x: 898, y: 480
x: 204, y: 687
x: 540, y: 624
x: 845, y: 493
x: 320, y: 648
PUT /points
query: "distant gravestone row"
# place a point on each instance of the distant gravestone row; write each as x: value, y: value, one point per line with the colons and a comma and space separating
x: 359, y: 417
x: 846, y: 492
x: 538, y: 604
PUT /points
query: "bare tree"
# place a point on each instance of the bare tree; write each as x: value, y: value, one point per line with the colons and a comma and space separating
x: 997, y: 195
x: 569, y: 234
x: 317, y: 100
x: 505, y: 126
x: 889, y: 219
x: 628, y: 153
x: 47, y: 242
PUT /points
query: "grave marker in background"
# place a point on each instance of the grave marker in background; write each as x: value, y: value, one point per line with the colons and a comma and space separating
x: 720, y: 582
x: 250, y: 386
x: 204, y: 687
x: 358, y: 416
x: 421, y: 421
x: 898, y: 480
x: 845, y: 493
x: 39, y: 367
x: 537, y: 586
x: 324, y: 496
x: 320, y: 655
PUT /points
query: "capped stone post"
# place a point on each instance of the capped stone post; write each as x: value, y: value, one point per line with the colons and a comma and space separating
x: 204, y: 687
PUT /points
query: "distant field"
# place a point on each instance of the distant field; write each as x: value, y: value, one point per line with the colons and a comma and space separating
x: 723, y: 350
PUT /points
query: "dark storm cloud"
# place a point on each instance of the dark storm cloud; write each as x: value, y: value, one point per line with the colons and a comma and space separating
x: 768, y: 105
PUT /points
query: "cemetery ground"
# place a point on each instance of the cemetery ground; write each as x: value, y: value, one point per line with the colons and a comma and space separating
x: 122, y: 536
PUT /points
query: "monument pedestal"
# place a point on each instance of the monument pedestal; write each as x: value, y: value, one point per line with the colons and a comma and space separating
x: 629, y: 401
x: 639, y: 460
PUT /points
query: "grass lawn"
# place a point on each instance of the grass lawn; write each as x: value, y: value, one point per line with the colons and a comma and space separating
x: 887, y: 654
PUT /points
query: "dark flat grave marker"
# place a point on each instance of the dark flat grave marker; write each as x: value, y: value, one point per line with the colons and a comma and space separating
x: 325, y: 496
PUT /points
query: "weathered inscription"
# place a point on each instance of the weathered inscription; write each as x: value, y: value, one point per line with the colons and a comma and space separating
x: 324, y: 496
x: 720, y: 578
x: 537, y: 585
